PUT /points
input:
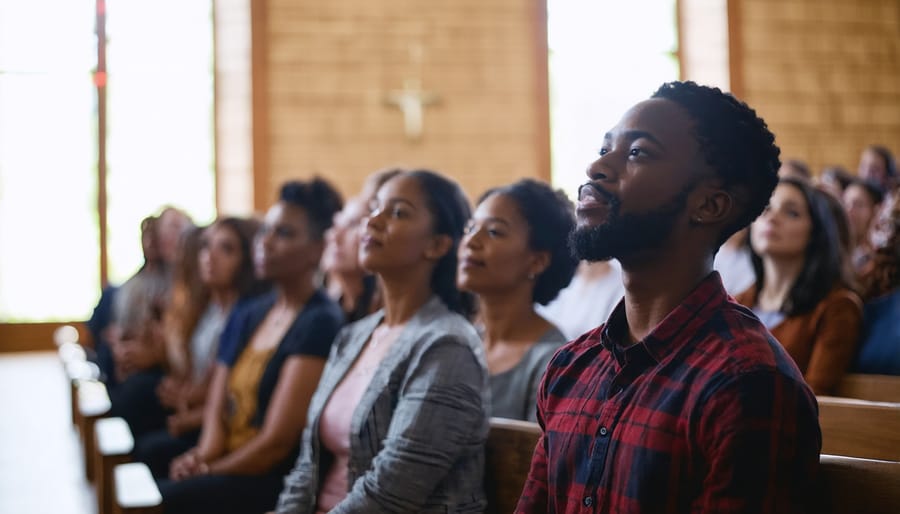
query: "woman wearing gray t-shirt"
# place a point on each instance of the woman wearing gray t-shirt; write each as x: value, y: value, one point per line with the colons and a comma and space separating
x: 514, y: 255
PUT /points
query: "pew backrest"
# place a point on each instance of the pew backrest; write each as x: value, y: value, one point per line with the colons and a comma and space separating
x: 860, y: 428
x: 849, y: 485
x: 875, y: 388
x: 510, y: 446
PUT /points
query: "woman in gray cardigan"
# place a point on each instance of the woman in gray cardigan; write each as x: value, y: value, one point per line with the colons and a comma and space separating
x: 400, y: 416
x: 515, y: 254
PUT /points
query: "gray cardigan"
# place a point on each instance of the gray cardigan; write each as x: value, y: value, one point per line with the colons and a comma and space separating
x: 418, y: 433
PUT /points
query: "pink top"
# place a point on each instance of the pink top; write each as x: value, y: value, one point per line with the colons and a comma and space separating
x: 334, y: 424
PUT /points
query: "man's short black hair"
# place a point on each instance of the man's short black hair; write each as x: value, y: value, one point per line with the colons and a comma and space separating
x: 735, y: 142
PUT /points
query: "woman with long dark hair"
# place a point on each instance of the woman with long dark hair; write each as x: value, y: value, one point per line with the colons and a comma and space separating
x: 399, y: 420
x: 802, y: 291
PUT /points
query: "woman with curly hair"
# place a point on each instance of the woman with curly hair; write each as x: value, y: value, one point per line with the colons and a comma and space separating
x: 515, y: 254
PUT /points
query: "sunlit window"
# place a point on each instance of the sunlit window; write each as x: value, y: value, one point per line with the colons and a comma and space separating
x: 160, y: 142
x: 160, y: 62
x: 605, y: 55
x: 49, y: 247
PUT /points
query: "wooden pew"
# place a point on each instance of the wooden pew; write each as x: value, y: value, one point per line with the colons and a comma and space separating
x: 65, y: 334
x: 875, y: 388
x: 510, y: 446
x: 114, y: 445
x: 846, y: 485
x: 77, y: 371
x: 136, y: 491
x: 93, y: 403
x: 859, y: 428
x: 849, y: 485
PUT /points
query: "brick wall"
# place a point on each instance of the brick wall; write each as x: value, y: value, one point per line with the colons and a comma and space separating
x: 328, y: 66
x: 825, y: 74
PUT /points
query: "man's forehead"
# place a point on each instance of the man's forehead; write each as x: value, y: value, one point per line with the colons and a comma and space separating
x: 662, y: 118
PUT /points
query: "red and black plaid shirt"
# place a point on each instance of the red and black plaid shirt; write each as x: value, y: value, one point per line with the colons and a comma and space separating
x: 706, y: 414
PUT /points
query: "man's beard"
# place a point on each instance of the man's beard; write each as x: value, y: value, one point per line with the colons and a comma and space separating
x: 624, y: 235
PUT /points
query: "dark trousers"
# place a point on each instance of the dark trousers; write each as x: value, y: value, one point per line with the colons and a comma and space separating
x: 158, y: 449
x: 135, y: 400
x: 221, y: 494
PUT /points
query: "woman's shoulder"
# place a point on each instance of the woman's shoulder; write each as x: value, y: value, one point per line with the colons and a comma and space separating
x: 841, y: 297
x: 543, y: 350
x: 255, y: 306
x: 747, y: 297
x: 435, y: 322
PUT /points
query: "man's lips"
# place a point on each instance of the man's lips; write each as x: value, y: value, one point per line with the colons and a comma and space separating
x: 592, y: 197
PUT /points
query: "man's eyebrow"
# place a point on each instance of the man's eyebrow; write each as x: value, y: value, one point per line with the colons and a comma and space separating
x: 643, y: 134
x: 631, y: 135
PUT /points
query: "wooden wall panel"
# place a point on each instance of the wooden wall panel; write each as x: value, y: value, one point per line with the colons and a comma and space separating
x: 328, y: 66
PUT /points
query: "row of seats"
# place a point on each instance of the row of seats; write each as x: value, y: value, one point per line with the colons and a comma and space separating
x: 860, y: 462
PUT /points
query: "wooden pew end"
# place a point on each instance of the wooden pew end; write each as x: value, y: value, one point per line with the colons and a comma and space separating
x: 136, y: 491
x: 849, y: 485
x: 114, y: 444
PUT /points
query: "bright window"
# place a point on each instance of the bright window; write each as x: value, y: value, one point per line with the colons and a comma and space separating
x: 160, y: 142
x: 605, y: 56
x: 160, y: 62
x: 49, y: 249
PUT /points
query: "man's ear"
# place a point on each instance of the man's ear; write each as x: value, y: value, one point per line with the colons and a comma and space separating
x: 713, y: 206
x: 439, y: 245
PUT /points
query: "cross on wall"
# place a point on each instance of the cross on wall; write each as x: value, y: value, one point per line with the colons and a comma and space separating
x: 411, y: 101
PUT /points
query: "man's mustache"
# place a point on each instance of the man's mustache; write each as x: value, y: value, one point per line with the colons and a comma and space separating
x: 599, y: 193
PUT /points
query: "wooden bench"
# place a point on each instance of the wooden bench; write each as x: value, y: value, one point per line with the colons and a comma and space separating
x: 77, y: 371
x: 846, y: 485
x: 114, y: 445
x: 875, y: 388
x: 850, y: 485
x: 93, y: 403
x: 65, y: 334
x: 510, y: 446
x: 136, y: 491
x: 859, y: 428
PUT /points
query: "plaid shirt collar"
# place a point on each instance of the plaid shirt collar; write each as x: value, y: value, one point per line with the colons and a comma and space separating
x: 672, y: 333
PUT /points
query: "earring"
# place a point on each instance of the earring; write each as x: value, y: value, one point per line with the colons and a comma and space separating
x: 531, y: 276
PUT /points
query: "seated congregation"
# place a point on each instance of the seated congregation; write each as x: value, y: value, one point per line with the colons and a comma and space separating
x: 667, y: 336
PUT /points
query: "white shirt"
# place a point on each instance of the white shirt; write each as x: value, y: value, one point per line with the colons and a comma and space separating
x: 587, y: 301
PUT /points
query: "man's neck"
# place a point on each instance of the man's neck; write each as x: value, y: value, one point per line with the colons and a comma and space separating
x: 655, y: 287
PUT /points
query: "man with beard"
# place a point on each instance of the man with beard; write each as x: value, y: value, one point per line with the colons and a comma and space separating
x: 682, y: 401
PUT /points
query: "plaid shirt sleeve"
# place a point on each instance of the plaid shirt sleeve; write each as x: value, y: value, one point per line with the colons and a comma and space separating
x: 755, y: 446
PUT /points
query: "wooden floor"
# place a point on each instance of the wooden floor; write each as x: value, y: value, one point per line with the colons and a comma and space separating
x: 40, y: 459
